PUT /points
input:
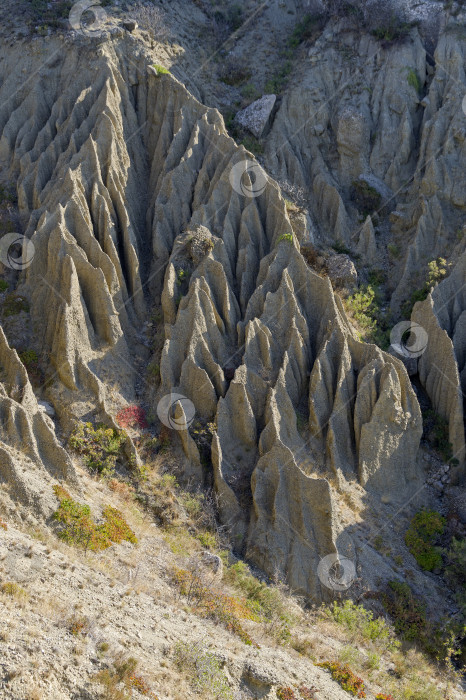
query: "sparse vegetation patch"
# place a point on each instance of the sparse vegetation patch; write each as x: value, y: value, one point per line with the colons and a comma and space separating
x: 78, y: 528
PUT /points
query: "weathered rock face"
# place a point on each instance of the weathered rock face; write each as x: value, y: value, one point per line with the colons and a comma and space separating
x: 127, y: 188
x: 442, y: 367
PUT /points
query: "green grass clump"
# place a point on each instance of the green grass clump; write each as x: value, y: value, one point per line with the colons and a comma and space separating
x: 345, y: 677
x: 252, y: 144
x: 3, y: 285
x: 340, y: 248
x: 13, y: 304
x: 394, y: 250
x: 100, y: 447
x: 13, y: 590
x: 305, y: 29
x: 161, y: 70
x: 425, y: 527
x: 286, y: 237
x: 392, y: 29
x: 414, y: 80
x: 79, y: 529
x: 30, y: 360
x: 277, y: 82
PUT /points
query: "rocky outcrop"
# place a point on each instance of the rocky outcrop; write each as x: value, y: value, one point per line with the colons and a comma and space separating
x: 31, y: 458
x: 390, y: 116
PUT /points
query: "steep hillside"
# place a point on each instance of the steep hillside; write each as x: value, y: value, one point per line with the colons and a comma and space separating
x: 231, y: 318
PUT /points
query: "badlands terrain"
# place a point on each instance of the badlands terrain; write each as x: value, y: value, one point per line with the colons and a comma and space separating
x: 232, y: 350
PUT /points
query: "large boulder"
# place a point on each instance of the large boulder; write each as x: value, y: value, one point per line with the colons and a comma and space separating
x: 257, y: 116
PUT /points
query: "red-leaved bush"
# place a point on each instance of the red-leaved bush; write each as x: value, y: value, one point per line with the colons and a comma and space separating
x: 132, y: 416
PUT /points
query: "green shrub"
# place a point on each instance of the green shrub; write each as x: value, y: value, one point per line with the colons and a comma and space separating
x: 408, y: 614
x: 308, y: 693
x: 420, y: 537
x: 356, y: 618
x: 203, y: 669
x: 249, y: 91
x: 100, y: 447
x: 3, y: 285
x: 364, y: 307
x: 286, y: 693
x: 78, y: 625
x: 235, y: 72
x: 456, y: 563
x: 267, y: 601
x: 436, y: 272
x: 366, y: 197
x: 345, y: 677
x: 79, y: 529
x: 49, y: 14
x: 341, y: 248
x: 225, y: 609
x: 120, y: 679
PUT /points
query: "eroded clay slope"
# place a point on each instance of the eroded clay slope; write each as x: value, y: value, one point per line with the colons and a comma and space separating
x: 390, y: 113
x: 124, y: 180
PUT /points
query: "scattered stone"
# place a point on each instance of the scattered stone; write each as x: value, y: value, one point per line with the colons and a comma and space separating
x: 213, y: 561
x: 46, y: 408
x: 342, y: 271
x: 130, y: 25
